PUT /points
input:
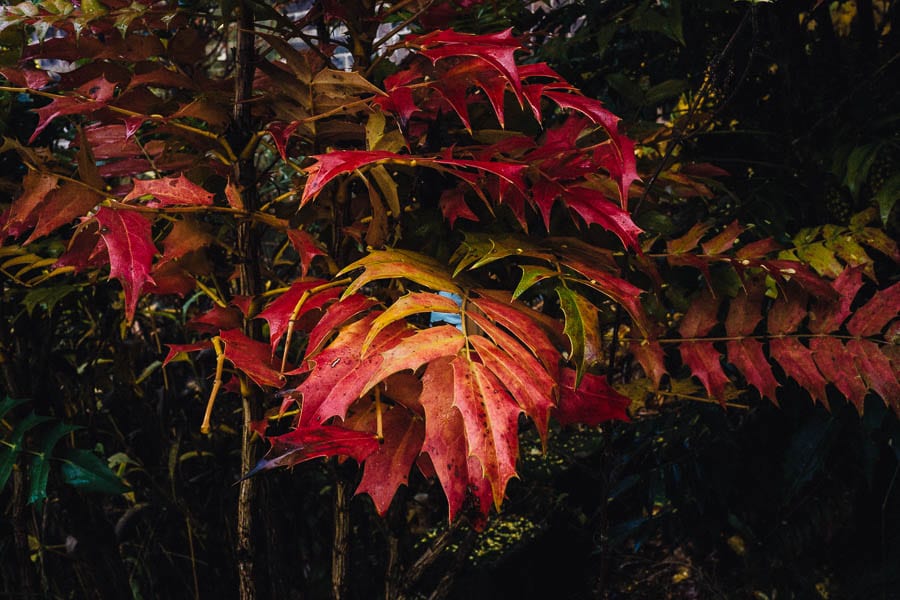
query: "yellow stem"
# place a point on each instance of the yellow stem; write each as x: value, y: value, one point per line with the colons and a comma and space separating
x: 296, y: 311
x: 220, y: 365
x: 378, y: 426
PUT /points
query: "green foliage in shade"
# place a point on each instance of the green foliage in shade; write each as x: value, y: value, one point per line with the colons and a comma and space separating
x: 84, y: 470
x: 39, y: 472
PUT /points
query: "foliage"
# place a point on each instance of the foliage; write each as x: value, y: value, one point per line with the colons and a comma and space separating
x: 347, y: 210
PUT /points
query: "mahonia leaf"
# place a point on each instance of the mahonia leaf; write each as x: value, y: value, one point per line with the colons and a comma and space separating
x: 91, y: 96
x: 624, y: 293
x: 532, y: 275
x: 871, y: 317
x: 394, y: 264
x: 306, y: 246
x: 185, y: 236
x: 334, y: 316
x: 61, y: 206
x: 445, y: 433
x: 453, y: 206
x: 593, y: 207
x: 828, y: 314
x: 583, y: 330
x: 723, y: 241
x: 877, y: 371
x: 279, y: 312
x: 798, y: 364
x: 328, y: 166
x: 788, y: 310
x: 650, y: 355
x: 490, y: 417
x: 747, y: 355
x: 496, y: 49
x: 252, y: 358
x: 387, y: 468
x: 410, y: 304
x: 703, y: 360
x: 591, y: 402
x: 36, y: 186
x: 413, y: 351
x: 833, y: 359
x: 170, y: 191
x: 339, y: 375
x: 745, y: 310
x: 700, y: 317
x: 130, y: 247
x: 524, y: 378
x: 305, y: 443
x: 216, y: 319
x: 689, y: 240
x: 521, y: 322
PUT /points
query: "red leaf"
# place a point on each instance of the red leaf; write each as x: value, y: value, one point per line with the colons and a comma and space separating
x: 336, y: 314
x: 797, y: 362
x: 497, y: 50
x: 453, y: 206
x: 593, y: 207
x: 704, y: 362
x: 833, y: 359
x: 62, y: 206
x: 170, y: 191
x: 421, y: 347
x: 130, y: 246
x: 305, y: 443
x: 876, y: 370
x: 388, y: 467
x: 445, y: 434
x: 700, y: 317
x: 185, y: 236
x: 22, y: 212
x: 490, y: 418
x: 788, y: 310
x: 871, y: 317
x: 86, y: 249
x: 593, y: 109
x: 828, y: 314
x: 278, y: 313
x: 745, y: 311
x: 328, y: 166
x: 340, y: 376
x: 620, y: 291
x: 650, y: 355
x: 533, y: 390
x: 90, y: 97
x: 747, y: 355
x: 514, y: 317
x: 252, y: 358
x: 306, y: 246
x: 725, y: 240
x: 592, y: 403
x: 216, y: 319
x: 176, y: 349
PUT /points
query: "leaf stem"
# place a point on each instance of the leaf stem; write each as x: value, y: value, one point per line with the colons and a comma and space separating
x: 217, y: 383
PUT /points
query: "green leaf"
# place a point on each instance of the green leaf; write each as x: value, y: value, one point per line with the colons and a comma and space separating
x: 47, y: 297
x: 479, y: 250
x: 887, y: 197
x: 821, y: 259
x: 8, y: 404
x: 13, y: 445
x: 84, y: 470
x: 665, y: 90
x: 531, y: 275
x: 40, y: 464
x: 858, y: 165
x: 583, y: 330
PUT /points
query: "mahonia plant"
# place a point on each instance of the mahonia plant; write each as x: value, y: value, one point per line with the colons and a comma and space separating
x: 443, y: 233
